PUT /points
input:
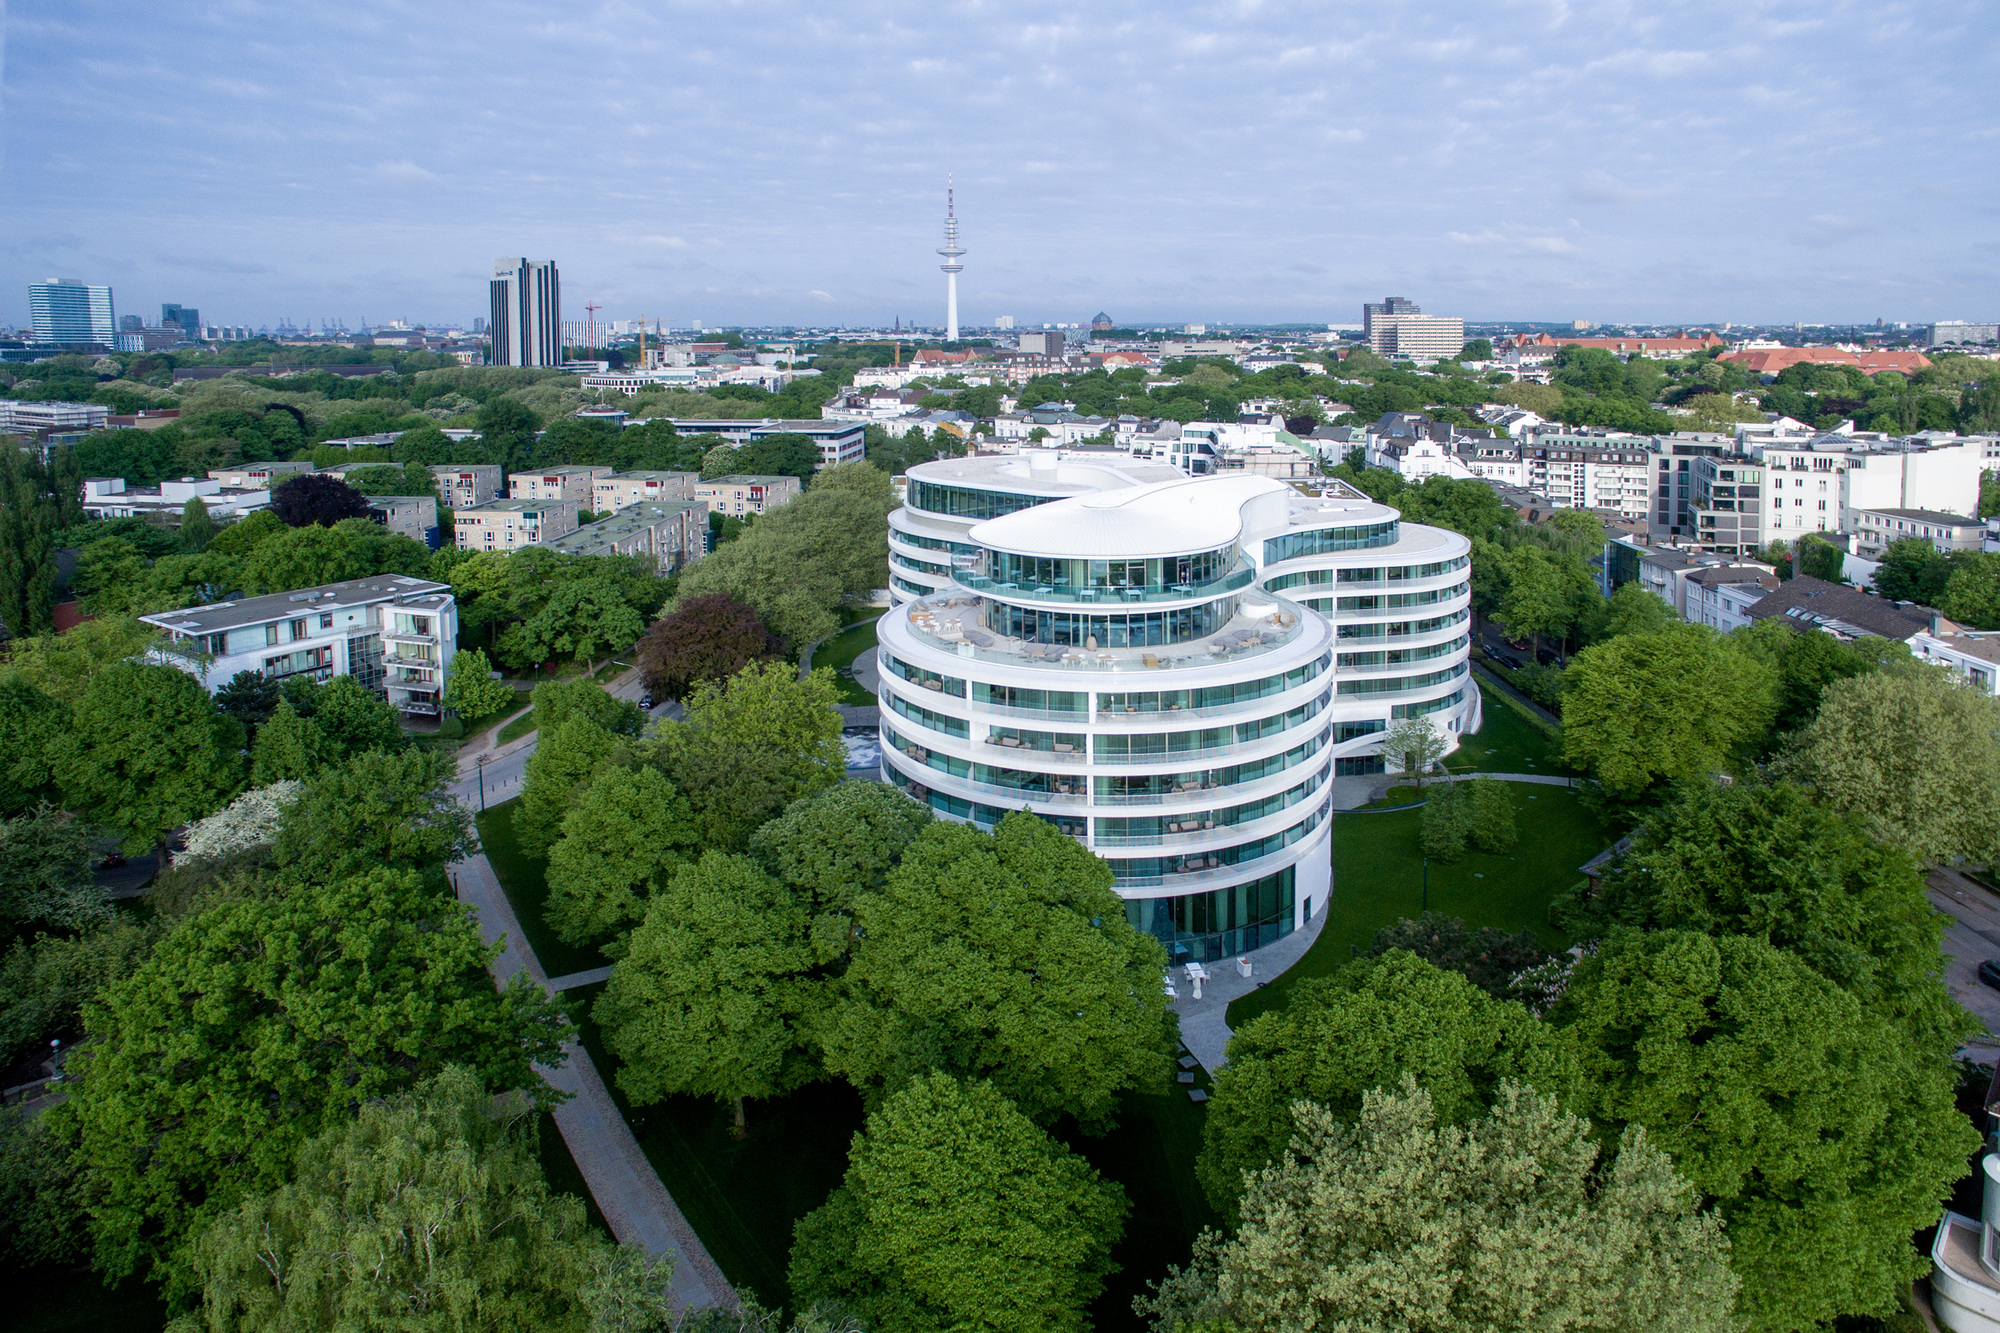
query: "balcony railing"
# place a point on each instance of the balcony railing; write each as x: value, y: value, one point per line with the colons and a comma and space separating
x: 1239, y: 577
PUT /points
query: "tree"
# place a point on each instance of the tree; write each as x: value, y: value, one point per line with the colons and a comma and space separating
x: 1912, y: 570
x: 1972, y: 593
x: 1820, y: 559
x: 1536, y: 602
x: 1808, y: 662
x: 1824, y: 1137
x: 146, y: 752
x: 1004, y: 956
x: 1767, y: 861
x: 1447, y: 822
x: 708, y: 995
x: 352, y: 718
x: 197, y: 524
x: 1416, y: 745
x: 250, y: 697
x: 1915, y: 756
x: 250, y: 821
x: 1633, y: 609
x: 557, y: 701
x: 625, y: 835
x: 1489, y: 958
x: 426, y: 1211
x: 830, y: 847
x: 957, y: 1212
x: 469, y: 687
x: 582, y: 617
x: 376, y: 809
x: 45, y: 877
x: 751, y: 745
x: 259, y: 1023
x: 1491, y: 816
x: 36, y: 503
x: 704, y: 638
x: 310, y: 498
x: 1666, y: 705
x: 306, y: 557
x: 1510, y: 1222
x: 289, y: 748
x: 62, y: 666
x: 29, y: 721
x: 567, y: 759
x: 1366, y: 1027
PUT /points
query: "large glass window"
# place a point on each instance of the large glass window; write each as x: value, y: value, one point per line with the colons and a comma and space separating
x: 1428, y: 705
x: 916, y: 675
x: 1401, y: 656
x: 1394, y: 628
x: 1209, y: 927
x: 1210, y: 696
x: 1126, y: 629
x: 1391, y: 574
x: 1150, y: 828
x: 965, y: 502
x: 1397, y: 600
x: 1041, y: 701
x: 1166, y: 744
x: 1396, y: 684
x: 1147, y: 787
x: 1144, y: 870
x: 920, y: 566
x: 986, y: 816
x: 1159, y: 574
x: 924, y: 717
x: 1323, y: 541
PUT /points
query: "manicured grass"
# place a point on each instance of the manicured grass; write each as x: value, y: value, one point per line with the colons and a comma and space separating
x: 477, y: 725
x: 1378, y: 878
x: 743, y: 1196
x: 839, y: 653
x: 516, y: 729
x: 1506, y: 743
x: 523, y: 879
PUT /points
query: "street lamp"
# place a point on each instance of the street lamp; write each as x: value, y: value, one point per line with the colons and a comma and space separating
x: 480, y: 764
x: 1427, y: 885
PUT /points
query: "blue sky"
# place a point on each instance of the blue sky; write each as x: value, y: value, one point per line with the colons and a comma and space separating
x: 761, y: 162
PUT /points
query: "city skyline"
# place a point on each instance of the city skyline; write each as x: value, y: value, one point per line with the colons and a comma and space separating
x: 1694, y: 165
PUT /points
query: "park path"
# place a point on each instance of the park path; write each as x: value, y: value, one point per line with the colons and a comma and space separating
x: 627, y: 1189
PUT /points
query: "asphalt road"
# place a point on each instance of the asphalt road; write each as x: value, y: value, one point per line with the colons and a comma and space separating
x: 1971, y: 936
x: 502, y: 775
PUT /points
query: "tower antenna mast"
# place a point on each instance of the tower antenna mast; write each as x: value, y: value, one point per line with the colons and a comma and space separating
x: 951, y: 250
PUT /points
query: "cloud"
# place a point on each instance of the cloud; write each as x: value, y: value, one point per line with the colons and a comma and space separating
x: 1541, y: 245
x: 402, y: 171
x: 1825, y: 229
x: 818, y: 295
x: 664, y: 242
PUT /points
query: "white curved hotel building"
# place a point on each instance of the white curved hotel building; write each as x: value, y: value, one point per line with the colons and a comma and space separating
x: 1171, y: 669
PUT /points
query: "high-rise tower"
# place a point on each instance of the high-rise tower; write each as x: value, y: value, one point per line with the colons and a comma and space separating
x: 525, y: 305
x: 951, y: 250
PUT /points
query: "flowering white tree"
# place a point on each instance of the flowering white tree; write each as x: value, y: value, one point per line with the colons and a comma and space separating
x: 250, y: 820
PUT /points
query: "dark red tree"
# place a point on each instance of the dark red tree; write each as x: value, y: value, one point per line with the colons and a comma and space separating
x: 705, y: 638
x: 310, y: 498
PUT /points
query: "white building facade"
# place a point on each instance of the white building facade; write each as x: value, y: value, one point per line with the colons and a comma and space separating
x: 1170, y: 669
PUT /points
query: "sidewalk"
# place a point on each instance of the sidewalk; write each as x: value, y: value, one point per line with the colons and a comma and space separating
x: 1205, y: 1029
x: 627, y: 1189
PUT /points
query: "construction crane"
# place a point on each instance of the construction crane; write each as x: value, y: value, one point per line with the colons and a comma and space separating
x: 591, y: 327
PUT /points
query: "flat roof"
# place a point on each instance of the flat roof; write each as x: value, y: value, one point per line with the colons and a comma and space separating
x: 1928, y: 516
x: 643, y: 475
x: 512, y: 506
x: 747, y: 479
x: 625, y: 522
x: 221, y: 616
x: 564, y: 470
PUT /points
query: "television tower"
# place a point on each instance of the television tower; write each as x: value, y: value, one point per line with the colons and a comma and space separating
x: 951, y: 250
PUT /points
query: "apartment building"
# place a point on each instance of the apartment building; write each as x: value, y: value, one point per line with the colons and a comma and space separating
x: 464, y: 486
x: 1670, y: 573
x: 575, y: 483
x: 395, y: 635
x: 673, y: 532
x: 507, y: 525
x: 413, y: 516
x: 837, y: 441
x: 1874, y: 529
x: 1591, y: 472
x: 620, y: 489
x: 265, y: 475
x: 110, y: 497
x: 1721, y: 597
x: 740, y: 495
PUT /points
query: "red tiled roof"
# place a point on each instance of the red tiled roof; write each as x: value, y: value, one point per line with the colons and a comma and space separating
x: 1773, y: 360
x: 1622, y: 346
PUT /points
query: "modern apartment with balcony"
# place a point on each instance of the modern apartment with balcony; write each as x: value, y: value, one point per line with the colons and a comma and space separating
x: 395, y: 635
x: 1170, y: 669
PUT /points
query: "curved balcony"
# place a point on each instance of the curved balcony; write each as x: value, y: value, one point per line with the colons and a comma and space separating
x: 1242, y: 576
x: 1211, y: 874
x: 917, y: 769
x: 956, y: 624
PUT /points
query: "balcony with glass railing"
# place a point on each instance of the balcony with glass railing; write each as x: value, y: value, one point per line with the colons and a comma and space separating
x: 958, y: 623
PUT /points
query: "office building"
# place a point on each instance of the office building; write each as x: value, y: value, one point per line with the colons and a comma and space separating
x: 1388, y: 305
x: 68, y: 313
x: 1952, y: 332
x: 110, y: 497
x: 524, y: 326
x: 395, y: 635
x: 557, y: 483
x: 1418, y: 337
x: 1170, y: 670
x: 615, y: 492
x: 837, y: 441
x: 673, y: 532
x: 32, y: 418
x: 464, y: 485
x: 184, y: 317
x: 508, y: 525
x: 1049, y: 344
x: 742, y: 494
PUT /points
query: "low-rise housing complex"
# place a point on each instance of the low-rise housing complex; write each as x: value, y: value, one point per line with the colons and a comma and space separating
x: 395, y: 635
x: 465, y: 485
x: 837, y: 441
x: 673, y: 532
x: 110, y: 497
x: 507, y: 525
x: 573, y: 482
x: 266, y: 474
x: 413, y: 516
x: 1874, y: 529
x: 615, y: 492
x: 741, y: 494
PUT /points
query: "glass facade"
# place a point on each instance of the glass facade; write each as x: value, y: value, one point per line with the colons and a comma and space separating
x: 1390, y: 629
x: 1399, y: 656
x: 1212, y: 696
x: 916, y: 675
x: 1394, y: 684
x: 965, y: 502
x: 924, y: 717
x: 1166, y: 744
x: 1451, y: 700
x: 1141, y: 787
x: 1126, y: 629
x: 1397, y: 600
x: 1151, y: 828
x: 1325, y: 541
x: 1073, y: 702
x: 1045, y: 572
x: 1391, y: 574
x: 1209, y: 927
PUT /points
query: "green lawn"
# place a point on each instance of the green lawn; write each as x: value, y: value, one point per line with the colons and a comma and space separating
x: 516, y: 729
x: 839, y: 653
x: 1506, y: 743
x: 1378, y: 878
x: 527, y: 889
x: 743, y: 1196
x: 475, y: 726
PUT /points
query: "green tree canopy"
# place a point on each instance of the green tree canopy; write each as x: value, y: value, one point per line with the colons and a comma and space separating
x: 29, y: 721
x: 1807, y: 663
x: 469, y: 687
x: 567, y: 759
x: 708, y: 996
x: 829, y: 847
x: 425, y: 1212
x: 1915, y: 755
x: 752, y: 744
x: 375, y: 810
x: 1366, y: 1027
x: 703, y: 638
x: 621, y: 840
x: 146, y: 751
x: 353, y: 548
x: 958, y: 1213
x: 1666, y: 705
x: 261, y: 1022
x: 1511, y: 1222
x: 1003, y: 956
x: 1824, y: 1136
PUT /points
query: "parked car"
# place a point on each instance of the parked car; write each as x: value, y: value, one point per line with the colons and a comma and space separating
x: 1511, y: 663
x: 1989, y: 972
x: 646, y: 702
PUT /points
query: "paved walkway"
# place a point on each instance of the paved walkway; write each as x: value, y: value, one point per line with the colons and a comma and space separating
x: 627, y: 1189
x: 1205, y: 1026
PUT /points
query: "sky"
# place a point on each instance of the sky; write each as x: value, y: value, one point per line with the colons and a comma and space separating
x: 763, y: 162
